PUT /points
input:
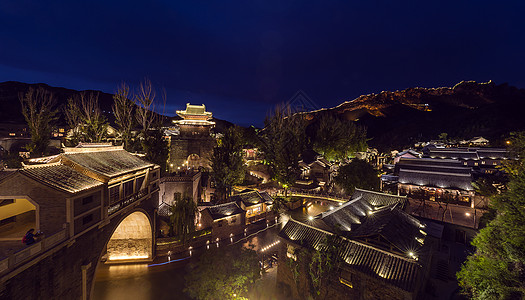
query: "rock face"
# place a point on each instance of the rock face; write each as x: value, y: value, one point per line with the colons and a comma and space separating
x: 397, y: 119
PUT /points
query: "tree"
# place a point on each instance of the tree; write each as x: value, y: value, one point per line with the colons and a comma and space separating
x: 40, y: 115
x: 156, y: 147
x: 337, y: 139
x: 357, y: 174
x: 123, y: 112
x: 151, y: 136
x: 324, y: 264
x: 145, y: 101
x: 227, y: 162
x: 516, y: 147
x: 182, y: 218
x: 228, y: 277
x: 85, y: 118
x: 496, y: 270
x: 283, y: 141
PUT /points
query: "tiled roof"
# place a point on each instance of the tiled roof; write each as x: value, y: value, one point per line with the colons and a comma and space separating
x: 60, y: 177
x: 378, y: 199
x: 429, y: 162
x: 248, y: 198
x: 436, y: 179
x: 267, y: 198
x: 108, y: 163
x: 387, y: 267
x: 223, y: 210
x: 345, y: 217
x: 396, y: 226
x: 5, y: 173
x: 454, y: 154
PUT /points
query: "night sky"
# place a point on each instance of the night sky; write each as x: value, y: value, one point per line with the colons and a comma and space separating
x: 240, y: 58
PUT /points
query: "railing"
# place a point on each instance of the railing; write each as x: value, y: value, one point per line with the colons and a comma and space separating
x: 324, y: 196
x: 18, y: 258
x: 114, y: 207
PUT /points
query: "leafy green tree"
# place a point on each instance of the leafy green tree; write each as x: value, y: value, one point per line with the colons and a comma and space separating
x: 324, y: 265
x: 283, y: 140
x: 496, y: 270
x: 227, y: 162
x: 182, y: 219
x: 516, y: 147
x: 357, y: 174
x: 337, y: 139
x: 228, y: 277
x: 40, y: 115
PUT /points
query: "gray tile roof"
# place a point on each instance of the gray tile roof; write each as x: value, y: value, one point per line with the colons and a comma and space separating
x: 6, y: 173
x: 378, y: 199
x: 60, y: 177
x: 345, y: 217
x: 109, y: 163
x: 387, y: 267
x: 436, y: 179
x: 394, y: 225
x: 248, y: 198
x: 223, y: 210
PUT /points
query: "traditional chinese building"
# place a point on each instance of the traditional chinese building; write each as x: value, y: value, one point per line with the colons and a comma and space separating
x: 191, y: 143
x: 384, y: 250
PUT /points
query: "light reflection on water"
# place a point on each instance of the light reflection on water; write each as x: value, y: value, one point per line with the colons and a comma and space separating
x: 138, y: 281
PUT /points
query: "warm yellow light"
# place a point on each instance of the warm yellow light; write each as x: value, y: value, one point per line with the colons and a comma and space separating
x: 122, y: 257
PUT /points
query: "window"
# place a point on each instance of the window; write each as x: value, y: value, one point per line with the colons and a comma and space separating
x: 220, y: 223
x: 346, y: 278
x: 128, y: 188
x: 114, y: 194
x: 87, y: 200
x: 87, y: 219
x: 233, y: 220
x: 6, y: 201
x: 140, y: 181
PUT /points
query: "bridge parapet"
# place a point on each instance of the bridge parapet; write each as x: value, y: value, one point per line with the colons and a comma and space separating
x: 18, y: 258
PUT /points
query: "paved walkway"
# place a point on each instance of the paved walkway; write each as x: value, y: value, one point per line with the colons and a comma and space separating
x: 454, y: 214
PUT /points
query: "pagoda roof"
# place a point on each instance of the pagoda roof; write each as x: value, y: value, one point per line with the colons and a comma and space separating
x: 194, y: 110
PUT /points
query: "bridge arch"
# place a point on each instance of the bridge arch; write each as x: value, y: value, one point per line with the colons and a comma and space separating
x: 132, y: 239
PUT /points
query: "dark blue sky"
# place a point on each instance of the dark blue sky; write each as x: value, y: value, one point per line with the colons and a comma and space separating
x: 242, y: 57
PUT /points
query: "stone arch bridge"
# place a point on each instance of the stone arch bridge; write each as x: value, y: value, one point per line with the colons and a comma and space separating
x: 66, y: 270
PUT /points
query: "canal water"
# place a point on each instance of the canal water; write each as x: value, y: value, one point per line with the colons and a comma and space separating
x: 165, y: 280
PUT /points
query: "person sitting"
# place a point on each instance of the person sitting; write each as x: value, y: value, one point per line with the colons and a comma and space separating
x: 29, y: 238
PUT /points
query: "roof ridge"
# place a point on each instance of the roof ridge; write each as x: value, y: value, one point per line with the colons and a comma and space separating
x: 356, y: 242
x: 222, y: 204
x: 327, y: 213
x: 379, y: 193
x: 24, y: 166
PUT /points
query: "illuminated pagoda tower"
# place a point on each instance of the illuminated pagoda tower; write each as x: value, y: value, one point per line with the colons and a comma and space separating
x: 191, y: 146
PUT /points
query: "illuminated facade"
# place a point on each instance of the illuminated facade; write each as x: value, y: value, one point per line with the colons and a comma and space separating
x: 191, y: 143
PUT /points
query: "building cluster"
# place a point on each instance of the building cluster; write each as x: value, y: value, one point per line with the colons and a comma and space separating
x: 445, y: 174
x: 75, y: 191
x: 232, y: 218
x: 384, y: 251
